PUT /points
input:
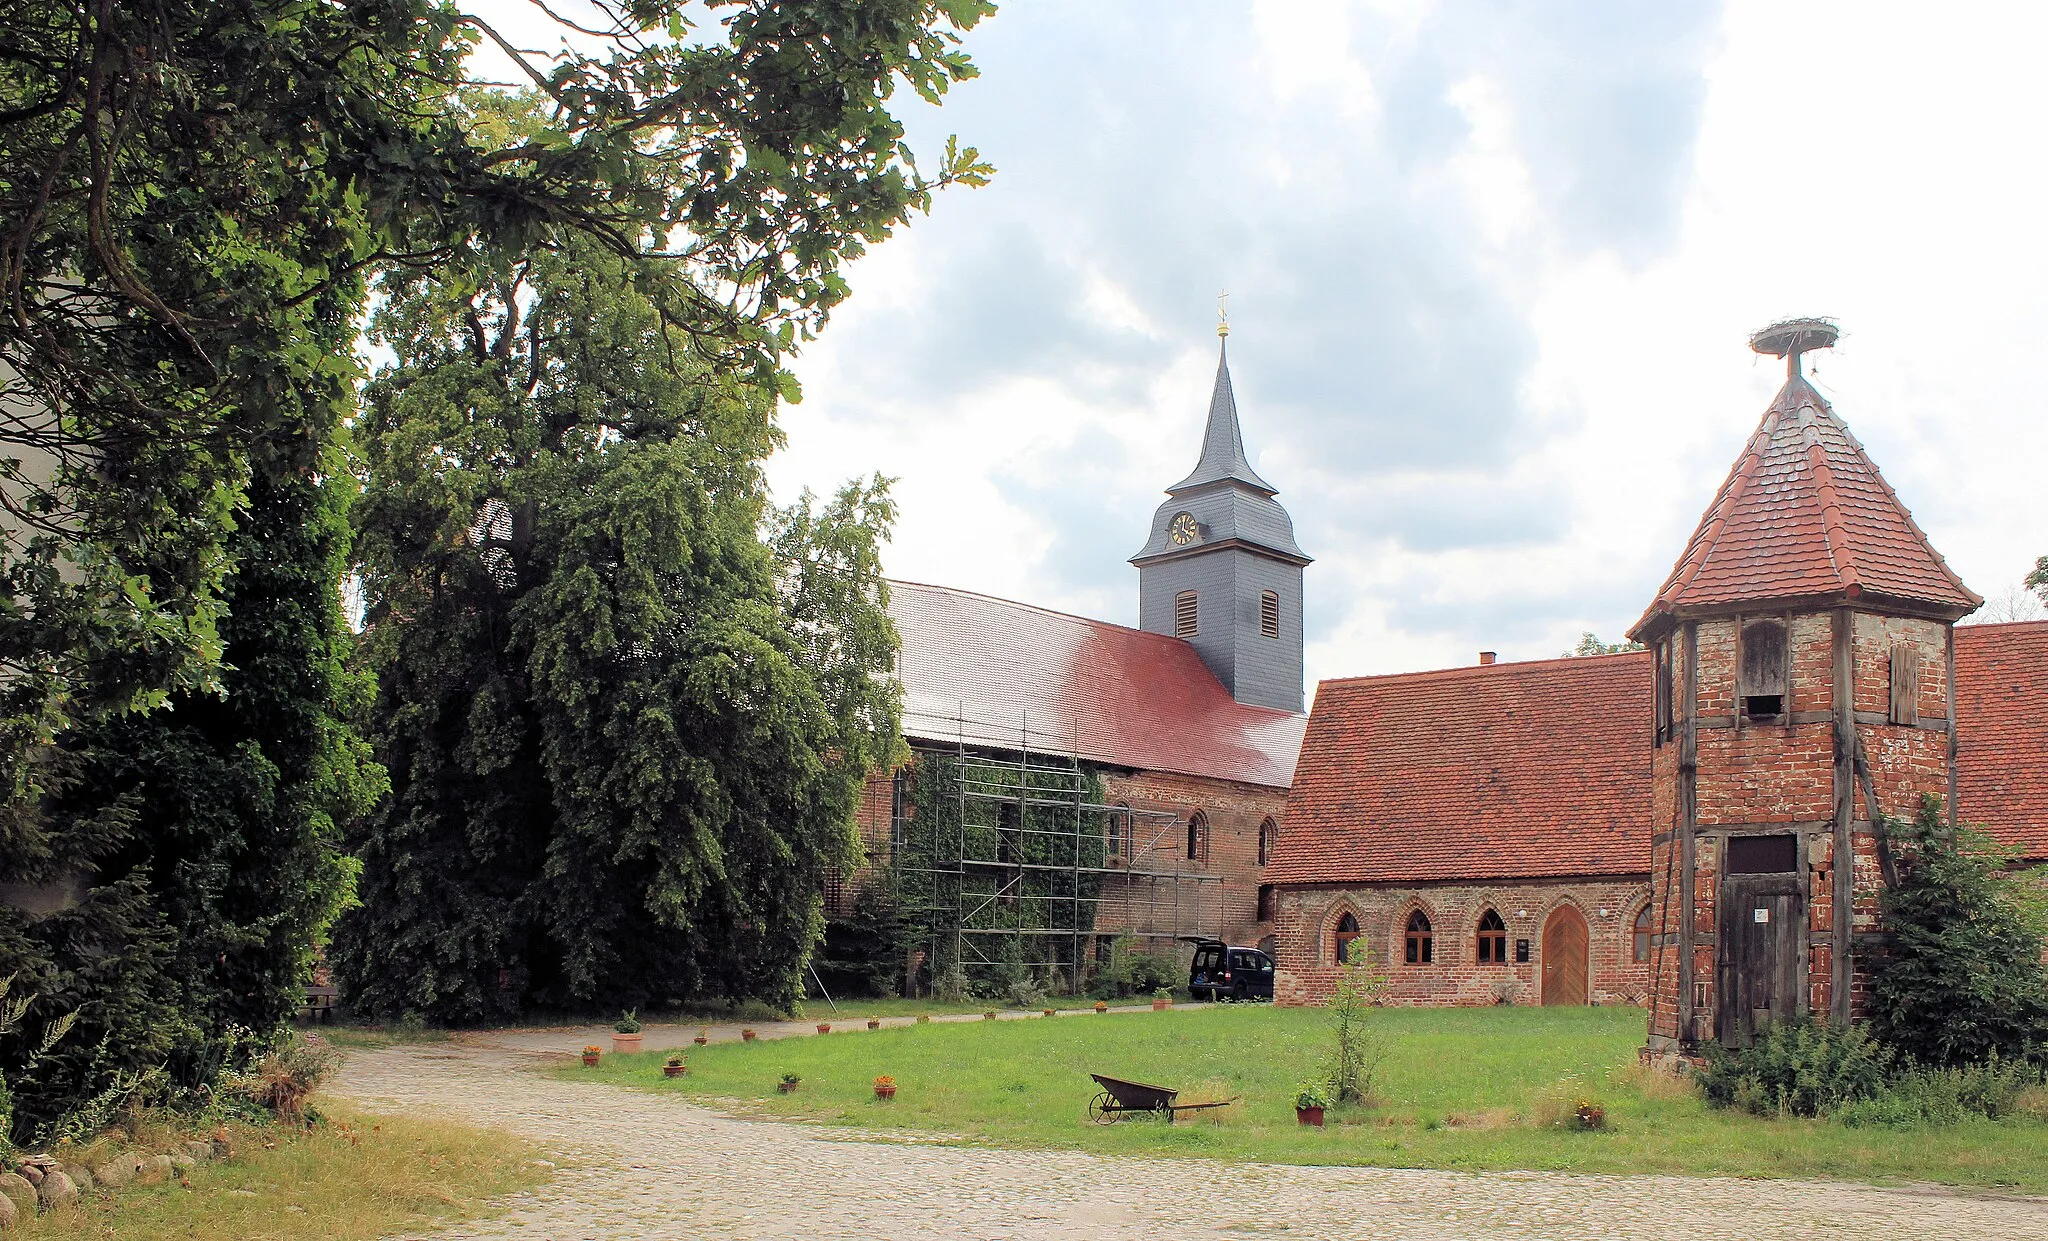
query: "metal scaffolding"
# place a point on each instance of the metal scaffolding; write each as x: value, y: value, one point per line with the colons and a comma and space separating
x: 1005, y: 856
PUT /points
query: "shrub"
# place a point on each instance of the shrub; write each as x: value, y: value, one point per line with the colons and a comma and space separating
x: 1355, y: 1057
x: 1962, y: 977
x: 1799, y: 1068
x: 1995, y: 1089
x: 282, y: 1081
x: 1148, y: 973
x: 628, y: 1022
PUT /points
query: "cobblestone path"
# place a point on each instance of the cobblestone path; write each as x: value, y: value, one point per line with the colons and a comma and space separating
x: 642, y: 1165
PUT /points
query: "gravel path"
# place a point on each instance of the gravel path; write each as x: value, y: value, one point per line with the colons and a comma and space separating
x: 640, y: 1165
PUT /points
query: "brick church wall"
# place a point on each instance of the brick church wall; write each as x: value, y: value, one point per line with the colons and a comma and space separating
x: 1307, y: 919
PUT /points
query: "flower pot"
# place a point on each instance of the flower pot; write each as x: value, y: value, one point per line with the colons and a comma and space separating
x: 1309, y: 1116
x: 674, y: 1070
x: 625, y: 1044
x: 701, y: 1039
x: 1050, y: 1011
x: 924, y: 1018
x: 990, y: 1015
x: 786, y: 1087
x: 1101, y: 1006
x: 1160, y: 1006
x: 824, y: 1027
x: 749, y: 1035
x: 589, y: 1059
x: 885, y: 1092
x: 874, y: 1023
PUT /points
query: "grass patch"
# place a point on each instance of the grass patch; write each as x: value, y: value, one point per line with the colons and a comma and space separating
x: 354, y: 1178
x: 1459, y: 1088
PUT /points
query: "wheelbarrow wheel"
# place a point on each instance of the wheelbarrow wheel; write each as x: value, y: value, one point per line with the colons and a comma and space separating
x: 1102, y: 1109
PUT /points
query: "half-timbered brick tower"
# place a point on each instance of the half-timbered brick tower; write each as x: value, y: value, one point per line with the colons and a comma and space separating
x: 1804, y: 669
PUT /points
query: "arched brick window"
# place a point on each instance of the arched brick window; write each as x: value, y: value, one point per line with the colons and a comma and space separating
x: 1269, y: 833
x: 1493, y: 939
x: 1347, y: 930
x: 1639, y: 938
x: 1419, y: 947
x: 1198, y: 837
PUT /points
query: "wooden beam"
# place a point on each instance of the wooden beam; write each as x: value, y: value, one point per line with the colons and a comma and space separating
x: 1688, y: 808
x: 1844, y: 874
x: 1950, y: 691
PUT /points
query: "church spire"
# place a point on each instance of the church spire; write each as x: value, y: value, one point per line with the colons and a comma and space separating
x: 1222, y: 441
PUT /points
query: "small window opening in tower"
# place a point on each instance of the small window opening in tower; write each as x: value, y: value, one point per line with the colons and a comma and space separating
x: 1198, y: 838
x: 1269, y: 614
x: 1184, y: 614
x: 1269, y: 834
x: 1761, y: 676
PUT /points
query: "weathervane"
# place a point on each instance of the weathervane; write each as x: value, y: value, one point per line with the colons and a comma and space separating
x: 1223, y: 313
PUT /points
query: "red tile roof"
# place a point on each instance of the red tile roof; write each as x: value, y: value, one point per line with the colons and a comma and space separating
x: 1507, y: 770
x: 1805, y: 515
x: 2002, y: 732
x: 1006, y: 675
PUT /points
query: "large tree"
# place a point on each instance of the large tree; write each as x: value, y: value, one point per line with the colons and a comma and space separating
x: 625, y: 736
x: 192, y: 196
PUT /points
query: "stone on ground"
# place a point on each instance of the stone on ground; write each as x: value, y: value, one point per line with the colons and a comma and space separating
x: 17, y: 1190
x: 57, y: 1190
x: 8, y: 1212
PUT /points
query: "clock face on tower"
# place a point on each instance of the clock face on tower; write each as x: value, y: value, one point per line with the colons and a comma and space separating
x: 1183, y: 529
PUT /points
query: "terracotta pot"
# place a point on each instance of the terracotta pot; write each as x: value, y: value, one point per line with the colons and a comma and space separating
x: 923, y: 1018
x: 989, y: 1016
x: 674, y: 1070
x: 749, y: 1035
x: 625, y: 1044
x: 786, y: 1087
x: 1050, y: 1011
x: 590, y: 1059
x: 1309, y: 1116
x: 874, y: 1024
x: 1101, y: 1007
x: 824, y: 1027
x: 885, y: 1092
x: 1160, y: 1006
x: 701, y: 1039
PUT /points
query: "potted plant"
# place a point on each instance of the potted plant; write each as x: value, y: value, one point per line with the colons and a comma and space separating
x: 990, y: 1015
x: 591, y: 1051
x: 626, y: 1032
x: 1309, y: 1102
x: 874, y: 1023
x: 1052, y: 1012
x: 923, y: 1018
x: 1102, y: 1006
x: 1162, y: 999
x: 749, y: 1035
x: 788, y: 1083
x: 824, y: 1027
x: 674, y: 1066
x: 703, y: 1036
x: 885, y: 1087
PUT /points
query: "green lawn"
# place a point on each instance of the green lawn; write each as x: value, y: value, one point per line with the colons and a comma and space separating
x: 1461, y: 1088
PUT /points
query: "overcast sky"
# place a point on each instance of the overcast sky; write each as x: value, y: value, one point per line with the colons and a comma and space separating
x: 1492, y: 268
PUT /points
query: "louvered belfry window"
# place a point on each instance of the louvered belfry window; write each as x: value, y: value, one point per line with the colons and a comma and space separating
x: 1184, y: 614
x: 1269, y: 614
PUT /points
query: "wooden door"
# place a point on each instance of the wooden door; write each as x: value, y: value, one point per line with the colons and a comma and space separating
x: 1564, y: 957
x: 1758, y: 954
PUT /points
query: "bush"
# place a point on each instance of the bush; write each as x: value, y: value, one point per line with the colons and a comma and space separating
x: 1797, y: 1068
x: 1961, y: 979
x: 282, y: 1081
x: 1995, y: 1089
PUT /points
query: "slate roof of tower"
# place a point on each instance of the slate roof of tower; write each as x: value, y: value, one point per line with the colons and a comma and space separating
x: 1805, y: 515
x: 2002, y: 732
x: 1498, y: 771
x: 995, y: 673
x: 1222, y: 440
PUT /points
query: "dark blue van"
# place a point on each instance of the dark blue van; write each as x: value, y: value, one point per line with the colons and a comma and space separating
x: 1223, y: 971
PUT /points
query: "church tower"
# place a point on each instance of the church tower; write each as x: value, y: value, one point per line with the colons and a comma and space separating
x: 1804, y: 660
x: 1221, y: 568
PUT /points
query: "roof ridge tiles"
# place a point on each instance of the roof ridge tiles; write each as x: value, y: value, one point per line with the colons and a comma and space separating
x: 1495, y: 669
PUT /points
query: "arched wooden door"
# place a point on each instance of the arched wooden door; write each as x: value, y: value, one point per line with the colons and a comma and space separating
x: 1564, y: 957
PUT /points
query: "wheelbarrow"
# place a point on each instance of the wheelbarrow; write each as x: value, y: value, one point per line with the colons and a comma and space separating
x: 1120, y: 1098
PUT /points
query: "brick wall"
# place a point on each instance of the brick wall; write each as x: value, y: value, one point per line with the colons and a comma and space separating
x: 1307, y: 918
x: 1218, y: 894
x: 1782, y: 776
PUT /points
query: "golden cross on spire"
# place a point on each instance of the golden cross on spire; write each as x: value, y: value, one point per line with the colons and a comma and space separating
x: 1223, y: 313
